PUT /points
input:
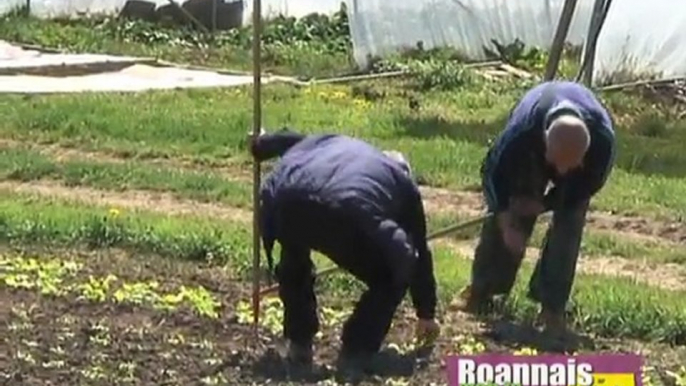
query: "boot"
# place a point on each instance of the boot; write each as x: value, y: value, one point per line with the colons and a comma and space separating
x: 354, y: 363
x: 471, y: 302
x: 554, y: 323
x: 299, y: 354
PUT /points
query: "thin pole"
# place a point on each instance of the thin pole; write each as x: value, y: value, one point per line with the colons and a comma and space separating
x: 588, y: 44
x: 559, y: 39
x: 588, y: 70
x: 257, y: 124
x: 214, y: 15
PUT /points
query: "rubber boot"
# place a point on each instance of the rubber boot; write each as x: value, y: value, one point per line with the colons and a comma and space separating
x: 352, y: 366
x: 471, y: 302
x: 301, y: 355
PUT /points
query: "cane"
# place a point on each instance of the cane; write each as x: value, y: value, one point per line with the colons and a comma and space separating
x: 436, y: 235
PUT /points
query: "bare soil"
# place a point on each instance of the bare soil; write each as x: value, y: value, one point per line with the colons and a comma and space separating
x: 67, y: 341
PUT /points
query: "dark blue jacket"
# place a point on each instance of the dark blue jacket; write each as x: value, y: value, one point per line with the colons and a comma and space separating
x: 350, y: 175
x: 516, y: 166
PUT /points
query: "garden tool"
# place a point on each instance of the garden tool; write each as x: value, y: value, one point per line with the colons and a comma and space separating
x: 438, y: 234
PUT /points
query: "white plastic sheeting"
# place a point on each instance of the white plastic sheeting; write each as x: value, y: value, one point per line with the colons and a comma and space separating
x: 639, y: 36
x: 642, y: 36
x: 380, y: 27
x: 9, y: 5
x: 295, y: 8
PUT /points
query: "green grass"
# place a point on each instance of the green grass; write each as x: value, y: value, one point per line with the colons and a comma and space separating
x: 606, y: 306
x: 26, y: 219
x: 26, y: 165
x: 601, y: 305
x: 199, y: 124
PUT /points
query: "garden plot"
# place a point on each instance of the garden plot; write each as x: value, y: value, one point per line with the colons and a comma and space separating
x: 125, y: 235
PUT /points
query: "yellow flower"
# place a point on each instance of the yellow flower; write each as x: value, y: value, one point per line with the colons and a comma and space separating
x: 362, y: 103
x: 526, y: 351
x: 114, y: 212
x: 338, y: 95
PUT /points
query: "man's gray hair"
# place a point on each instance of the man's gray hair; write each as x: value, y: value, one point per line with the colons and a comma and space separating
x: 569, y: 126
x: 399, y: 158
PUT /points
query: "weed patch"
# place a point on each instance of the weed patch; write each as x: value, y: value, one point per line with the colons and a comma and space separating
x: 26, y: 165
x: 58, y: 277
x: 271, y: 315
x: 602, y: 305
x: 25, y: 220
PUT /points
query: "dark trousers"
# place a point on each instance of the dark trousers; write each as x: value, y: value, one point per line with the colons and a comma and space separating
x: 495, y: 268
x: 306, y: 226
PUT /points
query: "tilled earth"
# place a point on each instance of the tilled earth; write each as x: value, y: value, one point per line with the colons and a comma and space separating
x: 48, y: 340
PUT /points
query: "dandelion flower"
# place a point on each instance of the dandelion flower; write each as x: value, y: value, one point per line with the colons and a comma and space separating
x: 526, y: 351
x: 114, y: 212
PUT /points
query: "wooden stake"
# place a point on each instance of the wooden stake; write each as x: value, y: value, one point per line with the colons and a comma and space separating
x: 214, y: 15
x: 257, y: 124
x: 559, y: 39
x: 600, y: 11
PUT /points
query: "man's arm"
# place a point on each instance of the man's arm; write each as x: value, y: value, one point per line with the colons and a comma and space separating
x: 423, y: 282
x: 514, y: 173
x: 268, y: 146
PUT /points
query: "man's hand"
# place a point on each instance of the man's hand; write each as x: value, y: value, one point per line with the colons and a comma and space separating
x: 514, y: 239
x: 251, y: 139
x: 427, y: 331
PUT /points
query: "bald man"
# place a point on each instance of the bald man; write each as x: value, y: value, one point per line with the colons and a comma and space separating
x: 558, y: 134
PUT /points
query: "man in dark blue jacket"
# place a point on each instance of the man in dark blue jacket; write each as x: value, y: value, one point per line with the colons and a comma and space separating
x: 360, y: 207
x: 559, y: 133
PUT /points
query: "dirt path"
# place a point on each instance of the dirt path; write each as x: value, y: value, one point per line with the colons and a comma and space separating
x: 666, y: 276
x: 129, y: 200
x: 669, y: 276
x: 470, y: 204
x: 228, y: 168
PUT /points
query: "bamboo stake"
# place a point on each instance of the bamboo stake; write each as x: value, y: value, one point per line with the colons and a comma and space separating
x: 559, y: 39
x: 257, y: 123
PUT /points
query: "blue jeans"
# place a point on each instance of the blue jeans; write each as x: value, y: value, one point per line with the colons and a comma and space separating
x: 495, y: 267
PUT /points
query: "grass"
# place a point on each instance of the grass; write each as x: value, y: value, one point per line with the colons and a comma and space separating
x: 446, y: 140
x: 25, y: 219
x: 27, y: 165
x: 611, y: 311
